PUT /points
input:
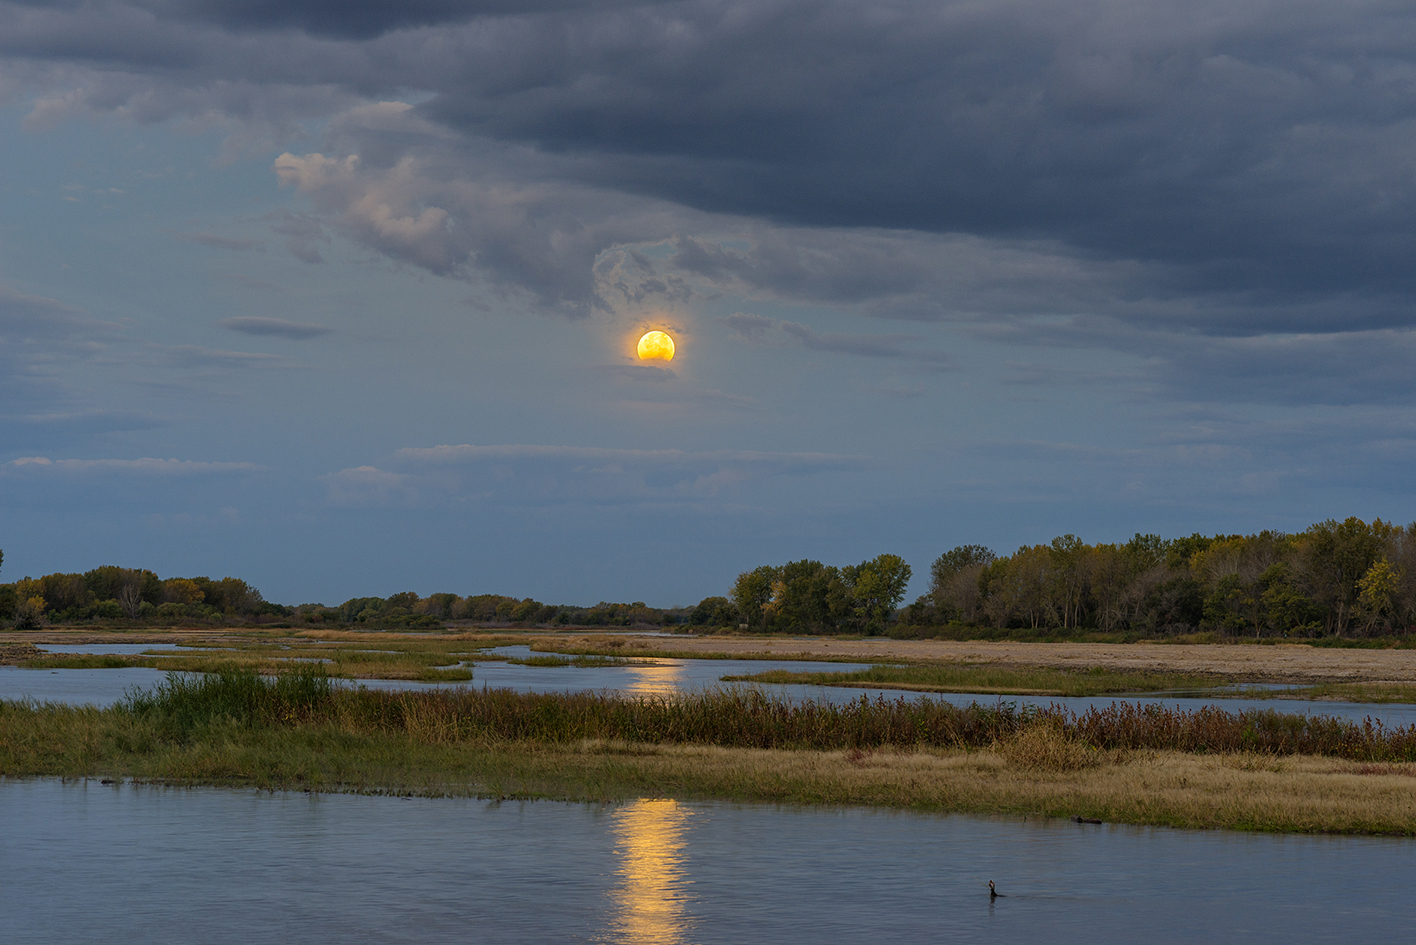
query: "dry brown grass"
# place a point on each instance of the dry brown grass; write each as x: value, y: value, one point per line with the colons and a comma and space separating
x: 1168, y: 788
x: 1044, y: 746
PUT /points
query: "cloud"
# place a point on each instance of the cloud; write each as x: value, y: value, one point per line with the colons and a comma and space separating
x: 756, y: 329
x: 255, y: 325
x: 368, y: 486
x: 556, y: 475
x: 1156, y: 176
x: 147, y: 466
x: 33, y: 317
x: 196, y: 356
x: 301, y: 234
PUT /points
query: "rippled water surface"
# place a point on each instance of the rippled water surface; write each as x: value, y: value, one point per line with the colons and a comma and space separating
x: 83, y: 862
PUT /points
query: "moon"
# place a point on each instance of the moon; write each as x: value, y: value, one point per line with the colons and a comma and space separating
x: 656, y: 345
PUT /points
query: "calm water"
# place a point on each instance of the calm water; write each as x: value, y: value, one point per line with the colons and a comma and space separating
x: 81, y: 862
x: 106, y: 686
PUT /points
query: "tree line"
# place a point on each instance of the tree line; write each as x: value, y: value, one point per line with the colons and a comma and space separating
x: 810, y: 597
x: 111, y: 593
x: 407, y: 609
x: 1348, y: 578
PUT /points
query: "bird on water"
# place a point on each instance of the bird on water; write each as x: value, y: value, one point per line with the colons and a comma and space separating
x: 993, y: 893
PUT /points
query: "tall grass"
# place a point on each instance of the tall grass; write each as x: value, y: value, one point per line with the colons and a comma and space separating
x: 738, y: 718
x: 748, y: 719
x: 187, y: 702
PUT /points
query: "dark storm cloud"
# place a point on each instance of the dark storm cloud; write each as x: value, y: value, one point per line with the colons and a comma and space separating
x: 1156, y: 174
x: 1260, y: 147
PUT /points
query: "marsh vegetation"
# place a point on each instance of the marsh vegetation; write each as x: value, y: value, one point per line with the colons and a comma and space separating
x: 1252, y: 770
x: 1001, y: 680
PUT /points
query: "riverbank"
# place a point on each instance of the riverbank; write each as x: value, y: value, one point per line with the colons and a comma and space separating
x: 1240, y: 791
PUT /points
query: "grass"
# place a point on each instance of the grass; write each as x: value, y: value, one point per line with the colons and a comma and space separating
x: 582, y: 661
x: 1355, y: 692
x: 995, y: 680
x: 1248, y: 770
x: 345, y: 655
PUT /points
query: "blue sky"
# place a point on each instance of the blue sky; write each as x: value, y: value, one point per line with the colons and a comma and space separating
x: 341, y: 298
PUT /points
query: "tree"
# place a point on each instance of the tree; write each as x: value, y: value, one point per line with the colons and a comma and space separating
x: 803, y: 597
x: 714, y: 612
x: 954, y: 580
x: 1069, y: 577
x: 878, y: 586
x: 752, y: 592
x: 1376, y: 597
x: 1335, y: 556
x: 182, y: 591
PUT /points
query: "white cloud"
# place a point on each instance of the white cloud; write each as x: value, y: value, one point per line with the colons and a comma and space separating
x: 369, y: 486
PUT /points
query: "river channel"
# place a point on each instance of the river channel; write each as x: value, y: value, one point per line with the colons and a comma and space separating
x: 82, y: 862
x: 104, y: 687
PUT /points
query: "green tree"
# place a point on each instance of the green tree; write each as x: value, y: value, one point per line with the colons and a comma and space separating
x: 803, y: 597
x: 1335, y: 556
x: 878, y: 585
x: 752, y: 592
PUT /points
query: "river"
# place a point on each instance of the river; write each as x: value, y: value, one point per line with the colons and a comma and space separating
x: 83, y: 862
x: 654, y: 676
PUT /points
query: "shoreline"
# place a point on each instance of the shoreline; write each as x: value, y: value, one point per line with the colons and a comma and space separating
x: 1242, y: 792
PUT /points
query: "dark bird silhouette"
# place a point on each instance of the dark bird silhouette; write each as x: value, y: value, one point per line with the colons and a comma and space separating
x: 993, y: 893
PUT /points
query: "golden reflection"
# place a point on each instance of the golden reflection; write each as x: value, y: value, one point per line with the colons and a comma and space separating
x: 651, y: 895
x: 659, y: 676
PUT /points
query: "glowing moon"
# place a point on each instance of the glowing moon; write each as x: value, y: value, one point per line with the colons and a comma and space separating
x: 656, y: 344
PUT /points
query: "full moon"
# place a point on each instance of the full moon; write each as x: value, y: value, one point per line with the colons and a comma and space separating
x: 656, y: 344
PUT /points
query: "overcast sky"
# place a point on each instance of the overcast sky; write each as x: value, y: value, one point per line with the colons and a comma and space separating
x: 341, y: 297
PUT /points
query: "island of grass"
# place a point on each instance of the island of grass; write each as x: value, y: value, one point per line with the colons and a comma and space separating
x: 1127, y: 764
x: 1002, y: 680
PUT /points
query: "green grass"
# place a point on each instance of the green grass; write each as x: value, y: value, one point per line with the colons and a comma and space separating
x: 995, y: 680
x: 1355, y: 692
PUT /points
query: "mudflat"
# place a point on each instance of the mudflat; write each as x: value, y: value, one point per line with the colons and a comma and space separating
x: 1292, y: 662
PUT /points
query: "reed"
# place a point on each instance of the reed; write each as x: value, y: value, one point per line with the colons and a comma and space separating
x: 186, y: 703
x: 746, y: 718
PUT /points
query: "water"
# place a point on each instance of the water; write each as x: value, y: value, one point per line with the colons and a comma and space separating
x: 641, y: 676
x: 104, y: 687
x: 81, y: 862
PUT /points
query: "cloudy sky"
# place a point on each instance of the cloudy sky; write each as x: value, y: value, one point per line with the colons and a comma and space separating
x: 341, y: 297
